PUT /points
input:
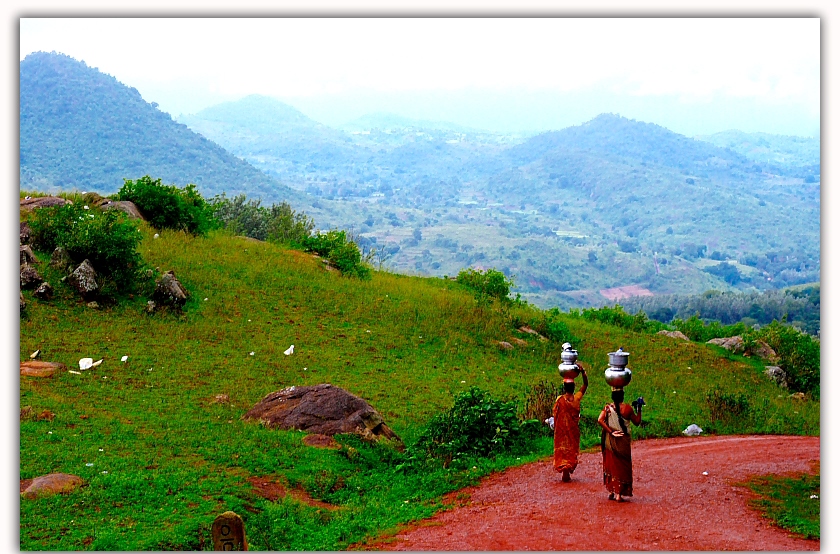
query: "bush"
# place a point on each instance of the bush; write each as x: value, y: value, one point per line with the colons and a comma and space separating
x: 108, y: 239
x: 342, y: 253
x: 555, y: 329
x: 695, y: 329
x: 727, y: 408
x: 169, y: 207
x: 539, y: 400
x: 799, y: 355
x: 277, y: 223
x: 476, y: 425
x: 618, y: 317
x: 486, y: 284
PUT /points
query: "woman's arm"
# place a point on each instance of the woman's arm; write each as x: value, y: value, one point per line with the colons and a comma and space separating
x: 635, y: 417
x: 585, y: 381
x: 602, y: 421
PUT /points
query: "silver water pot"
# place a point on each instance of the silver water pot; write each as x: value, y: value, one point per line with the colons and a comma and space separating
x: 617, y: 374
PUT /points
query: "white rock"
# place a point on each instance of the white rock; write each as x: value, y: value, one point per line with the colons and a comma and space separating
x: 96, y: 363
x: 705, y: 473
x: 124, y: 359
x: 157, y: 236
x: 251, y: 354
x: 35, y: 354
x: 290, y: 350
x: 85, y: 363
x: 692, y: 430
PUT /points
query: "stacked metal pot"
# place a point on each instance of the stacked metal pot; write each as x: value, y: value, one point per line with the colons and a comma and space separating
x: 568, y: 367
x: 618, y: 375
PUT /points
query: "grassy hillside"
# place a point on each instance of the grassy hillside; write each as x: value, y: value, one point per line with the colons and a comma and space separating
x: 161, y: 459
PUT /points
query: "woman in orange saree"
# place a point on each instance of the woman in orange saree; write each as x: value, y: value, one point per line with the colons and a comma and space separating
x: 615, y: 445
x: 566, y: 414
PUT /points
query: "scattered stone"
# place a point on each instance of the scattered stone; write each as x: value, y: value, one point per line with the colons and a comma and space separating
x: 518, y: 342
x: 26, y: 413
x: 322, y: 409
x: 46, y: 415
x: 777, y: 375
x: 25, y: 232
x: 22, y: 304
x: 42, y: 202
x: 765, y: 351
x: 505, y: 345
x: 798, y: 396
x: 29, y: 277
x: 60, y: 259
x: 673, y: 334
x: 26, y: 255
x: 321, y: 441
x: 229, y: 532
x: 83, y: 279
x: 221, y: 399
x: 54, y: 483
x: 34, y: 368
x: 35, y: 354
x: 169, y: 291
x: 44, y: 291
x: 94, y: 198
x: 151, y: 306
x: 125, y: 206
x: 93, y: 304
x: 692, y: 430
x: 733, y: 344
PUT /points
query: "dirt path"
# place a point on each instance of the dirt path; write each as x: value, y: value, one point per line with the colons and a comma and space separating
x: 675, y: 506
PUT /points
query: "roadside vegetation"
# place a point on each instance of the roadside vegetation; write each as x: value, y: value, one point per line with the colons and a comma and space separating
x: 161, y: 456
x: 792, y: 502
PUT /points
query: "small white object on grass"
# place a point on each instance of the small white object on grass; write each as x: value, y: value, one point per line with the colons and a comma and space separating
x: 96, y: 363
x: 157, y: 236
x: 205, y: 300
x: 73, y: 372
x: 35, y: 354
x: 814, y: 496
x: 251, y: 354
x: 550, y: 422
x: 85, y: 363
x: 692, y: 430
x: 124, y: 359
x: 290, y: 350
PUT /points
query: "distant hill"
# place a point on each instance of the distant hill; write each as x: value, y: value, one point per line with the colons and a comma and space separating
x: 798, y: 156
x: 82, y: 129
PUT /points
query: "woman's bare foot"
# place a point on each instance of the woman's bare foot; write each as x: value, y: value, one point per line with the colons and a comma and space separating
x: 611, y: 497
x: 566, y: 477
x: 619, y: 499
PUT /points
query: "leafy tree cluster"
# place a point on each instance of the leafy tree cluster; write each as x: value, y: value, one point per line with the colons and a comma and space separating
x: 340, y: 251
x: 275, y: 223
x: 486, y: 284
x: 169, y: 207
x: 800, y: 307
x: 108, y: 239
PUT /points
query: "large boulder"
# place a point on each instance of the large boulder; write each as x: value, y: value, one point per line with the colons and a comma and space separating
x: 776, y: 374
x: 44, y: 291
x: 29, y: 277
x: 125, y: 206
x: 169, y: 291
x: 42, y: 202
x: 83, y: 279
x: 733, y: 344
x: 25, y: 232
x: 60, y: 259
x: 48, y: 485
x: 320, y: 409
x: 673, y: 334
x: 765, y: 351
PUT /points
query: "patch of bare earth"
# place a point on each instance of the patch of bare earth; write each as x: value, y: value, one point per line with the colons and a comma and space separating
x: 620, y: 293
x: 274, y: 488
x: 674, y: 507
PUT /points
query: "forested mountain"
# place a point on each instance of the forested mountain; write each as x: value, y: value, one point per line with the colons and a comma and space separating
x: 82, y: 129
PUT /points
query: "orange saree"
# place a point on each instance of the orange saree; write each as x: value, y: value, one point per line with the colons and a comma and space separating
x: 566, y: 432
x: 618, y: 465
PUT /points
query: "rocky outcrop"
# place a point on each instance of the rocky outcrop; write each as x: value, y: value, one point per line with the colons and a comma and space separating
x: 673, y: 334
x: 48, y: 485
x: 22, y: 303
x: 125, y: 206
x: 169, y: 291
x: 764, y: 351
x: 42, y: 202
x: 320, y: 409
x: 776, y: 374
x: 504, y: 345
x: 29, y: 277
x: 26, y: 255
x: 25, y: 232
x: 733, y: 344
x: 83, y: 280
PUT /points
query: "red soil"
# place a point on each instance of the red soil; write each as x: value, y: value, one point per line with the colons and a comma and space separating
x: 674, y: 507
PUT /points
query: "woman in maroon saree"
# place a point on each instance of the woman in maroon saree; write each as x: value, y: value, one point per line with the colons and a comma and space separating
x: 615, y: 445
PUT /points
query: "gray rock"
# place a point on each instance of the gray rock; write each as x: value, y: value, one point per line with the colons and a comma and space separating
x: 733, y: 344
x: 29, y: 277
x: 504, y: 345
x: 83, y: 280
x: 42, y: 202
x: 169, y: 291
x: 322, y: 409
x: 44, y: 291
x: 765, y: 351
x: 151, y: 306
x: 60, y: 259
x: 673, y: 334
x: 125, y: 206
x: 22, y: 304
x: 25, y: 231
x: 26, y: 255
x: 777, y: 375
x: 54, y: 483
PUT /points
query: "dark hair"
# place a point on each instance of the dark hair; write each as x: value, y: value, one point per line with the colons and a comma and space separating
x: 618, y: 398
x: 569, y: 386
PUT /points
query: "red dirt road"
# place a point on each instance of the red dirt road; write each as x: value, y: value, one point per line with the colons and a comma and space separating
x: 674, y: 507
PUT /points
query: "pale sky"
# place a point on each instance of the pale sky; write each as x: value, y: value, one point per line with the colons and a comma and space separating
x: 695, y: 75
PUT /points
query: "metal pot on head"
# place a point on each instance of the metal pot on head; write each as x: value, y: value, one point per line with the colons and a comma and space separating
x: 617, y: 375
x: 569, y: 370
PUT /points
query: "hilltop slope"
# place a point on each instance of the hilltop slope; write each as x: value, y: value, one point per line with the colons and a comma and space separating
x: 82, y: 129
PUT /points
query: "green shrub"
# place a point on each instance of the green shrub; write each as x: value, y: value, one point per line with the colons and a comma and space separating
x: 697, y: 330
x: 486, y: 284
x: 339, y: 251
x: 476, y: 425
x: 277, y: 223
x: 726, y: 409
x: 799, y: 355
x: 618, y: 317
x: 107, y: 238
x: 539, y: 400
x: 555, y: 329
x: 169, y: 207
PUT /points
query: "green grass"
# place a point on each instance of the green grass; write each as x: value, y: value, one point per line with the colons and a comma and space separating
x: 408, y: 345
x: 789, y: 501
